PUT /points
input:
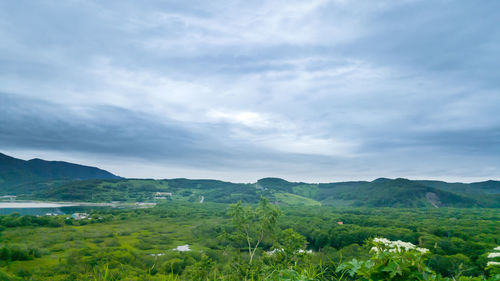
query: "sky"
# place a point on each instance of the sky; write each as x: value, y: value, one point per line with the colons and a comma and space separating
x: 315, y: 91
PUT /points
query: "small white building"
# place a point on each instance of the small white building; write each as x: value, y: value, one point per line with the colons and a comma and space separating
x: 163, y: 194
x: 80, y: 216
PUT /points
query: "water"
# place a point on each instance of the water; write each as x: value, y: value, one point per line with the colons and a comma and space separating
x: 42, y: 208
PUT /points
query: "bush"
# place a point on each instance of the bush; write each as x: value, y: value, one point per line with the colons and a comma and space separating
x: 398, y: 260
x: 391, y: 260
x: 18, y: 253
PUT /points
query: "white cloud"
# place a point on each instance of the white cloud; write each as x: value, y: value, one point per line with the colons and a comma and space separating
x: 303, y: 144
x: 247, y: 118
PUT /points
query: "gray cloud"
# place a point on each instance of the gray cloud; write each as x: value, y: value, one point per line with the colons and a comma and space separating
x: 318, y: 90
x: 108, y: 130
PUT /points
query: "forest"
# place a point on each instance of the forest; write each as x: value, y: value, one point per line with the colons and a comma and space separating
x: 253, y: 241
x: 378, y: 193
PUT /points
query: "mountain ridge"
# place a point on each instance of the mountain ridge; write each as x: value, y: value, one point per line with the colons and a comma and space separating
x: 58, y: 180
x: 16, y: 172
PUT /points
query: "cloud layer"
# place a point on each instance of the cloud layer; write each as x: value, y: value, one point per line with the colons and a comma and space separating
x: 238, y: 90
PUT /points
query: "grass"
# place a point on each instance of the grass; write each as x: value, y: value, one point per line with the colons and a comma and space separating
x: 141, y: 236
x: 306, y: 190
x: 293, y: 199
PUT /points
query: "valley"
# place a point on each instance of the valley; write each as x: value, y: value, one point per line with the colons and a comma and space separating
x: 68, y: 227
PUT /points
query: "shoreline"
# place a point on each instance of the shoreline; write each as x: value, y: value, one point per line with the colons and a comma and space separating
x: 58, y: 204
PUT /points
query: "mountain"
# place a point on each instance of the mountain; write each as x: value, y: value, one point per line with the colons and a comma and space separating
x: 485, y: 187
x: 19, y: 176
x: 146, y: 190
x: 399, y: 192
x: 54, y: 180
x: 378, y: 193
x: 407, y: 193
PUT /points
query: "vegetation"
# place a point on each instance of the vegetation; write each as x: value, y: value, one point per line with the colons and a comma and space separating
x: 252, y: 242
x: 145, y: 190
x: 378, y: 193
x: 60, y: 181
x: 386, y: 229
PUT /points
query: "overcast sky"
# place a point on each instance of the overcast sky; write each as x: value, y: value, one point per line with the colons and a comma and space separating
x: 239, y: 90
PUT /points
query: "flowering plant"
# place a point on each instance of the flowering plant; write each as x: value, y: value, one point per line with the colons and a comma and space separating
x: 494, y: 264
x: 391, y: 260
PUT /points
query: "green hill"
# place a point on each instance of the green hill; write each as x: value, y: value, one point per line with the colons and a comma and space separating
x: 276, y: 184
x: 378, y: 193
x: 52, y: 180
x: 486, y: 187
x: 146, y: 189
x: 384, y: 192
x: 406, y: 193
x: 20, y: 176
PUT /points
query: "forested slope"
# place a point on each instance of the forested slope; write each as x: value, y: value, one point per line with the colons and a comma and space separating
x: 19, y: 176
x: 52, y: 180
x: 377, y: 193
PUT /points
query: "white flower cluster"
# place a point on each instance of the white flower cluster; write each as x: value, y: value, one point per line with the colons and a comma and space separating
x: 272, y: 252
x: 492, y: 255
x: 300, y: 251
x: 305, y: 251
x: 397, y: 246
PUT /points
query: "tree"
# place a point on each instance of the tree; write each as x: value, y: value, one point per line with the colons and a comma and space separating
x: 254, y: 224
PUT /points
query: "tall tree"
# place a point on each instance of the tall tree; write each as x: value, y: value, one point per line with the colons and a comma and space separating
x: 254, y: 224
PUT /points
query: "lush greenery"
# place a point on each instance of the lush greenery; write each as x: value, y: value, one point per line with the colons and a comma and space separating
x: 378, y: 193
x: 145, y: 190
x: 251, y: 241
x: 302, y: 231
x: 61, y: 181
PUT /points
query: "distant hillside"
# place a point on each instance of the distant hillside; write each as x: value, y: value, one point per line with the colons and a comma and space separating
x: 277, y: 184
x: 393, y: 193
x: 486, y: 187
x: 378, y: 193
x: 20, y: 176
x: 406, y: 193
x: 53, y: 180
x: 146, y: 190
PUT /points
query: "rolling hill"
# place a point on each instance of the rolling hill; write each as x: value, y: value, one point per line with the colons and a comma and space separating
x: 145, y: 190
x: 377, y: 193
x: 53, y: 180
